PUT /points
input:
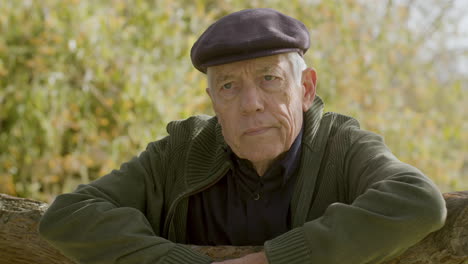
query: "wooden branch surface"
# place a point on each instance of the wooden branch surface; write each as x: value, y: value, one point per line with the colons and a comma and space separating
x: 21, y: 244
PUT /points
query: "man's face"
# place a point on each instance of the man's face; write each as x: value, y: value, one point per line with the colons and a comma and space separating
x: 259, y: 104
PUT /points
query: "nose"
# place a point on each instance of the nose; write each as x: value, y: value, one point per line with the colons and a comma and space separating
x: 251, y: 99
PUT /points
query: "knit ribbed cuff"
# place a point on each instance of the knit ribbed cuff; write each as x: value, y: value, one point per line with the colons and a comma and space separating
x: 183, y: 254
x: 289, y: 248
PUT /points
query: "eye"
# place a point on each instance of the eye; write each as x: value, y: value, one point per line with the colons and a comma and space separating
x: 269, y: 77
x: 227, y: 86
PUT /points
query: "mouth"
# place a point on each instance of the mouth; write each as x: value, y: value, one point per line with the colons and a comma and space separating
x: 256, y: 131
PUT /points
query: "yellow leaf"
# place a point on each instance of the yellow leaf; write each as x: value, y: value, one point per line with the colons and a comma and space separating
x: 103, y: 121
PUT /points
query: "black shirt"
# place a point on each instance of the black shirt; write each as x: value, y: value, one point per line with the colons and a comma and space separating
x: 243, y: 208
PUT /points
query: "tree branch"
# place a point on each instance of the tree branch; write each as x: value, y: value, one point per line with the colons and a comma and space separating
x: 21, y: 244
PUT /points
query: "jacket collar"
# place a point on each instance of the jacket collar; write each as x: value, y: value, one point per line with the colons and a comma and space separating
x: 312, y: 120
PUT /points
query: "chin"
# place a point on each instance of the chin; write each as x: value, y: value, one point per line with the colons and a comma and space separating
x: 259, y: 148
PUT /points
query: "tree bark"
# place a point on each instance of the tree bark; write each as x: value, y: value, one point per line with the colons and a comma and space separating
x: 20, y: 242
x: 19, y: 239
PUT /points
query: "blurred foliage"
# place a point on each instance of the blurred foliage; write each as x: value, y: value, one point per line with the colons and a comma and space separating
x: 85, y: 85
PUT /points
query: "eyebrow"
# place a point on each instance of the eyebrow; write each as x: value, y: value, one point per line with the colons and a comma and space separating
x: 271, y: 69
x: 223, y: 78
x: 265, y: 69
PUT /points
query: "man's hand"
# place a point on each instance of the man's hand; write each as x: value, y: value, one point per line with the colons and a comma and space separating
x: 255, y: 258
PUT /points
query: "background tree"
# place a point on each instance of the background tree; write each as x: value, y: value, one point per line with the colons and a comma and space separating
x: 85, y: 85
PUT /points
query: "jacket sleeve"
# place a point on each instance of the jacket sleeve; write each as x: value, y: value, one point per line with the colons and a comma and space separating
x: 106, y: 222
x: 392, y: 206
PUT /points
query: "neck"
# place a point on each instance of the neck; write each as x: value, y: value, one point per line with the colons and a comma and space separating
x: 262, y: 167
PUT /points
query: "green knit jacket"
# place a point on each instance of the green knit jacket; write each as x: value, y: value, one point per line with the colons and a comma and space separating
x: 353, y: 203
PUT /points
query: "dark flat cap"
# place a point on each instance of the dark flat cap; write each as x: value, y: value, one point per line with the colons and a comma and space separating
x: 248, y: 34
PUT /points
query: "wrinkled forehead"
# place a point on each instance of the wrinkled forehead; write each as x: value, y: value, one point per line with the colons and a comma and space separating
x: 257, y: 65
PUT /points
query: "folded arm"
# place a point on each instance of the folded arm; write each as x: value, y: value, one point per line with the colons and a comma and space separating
x: 105, y: 222
x: 392, y: 206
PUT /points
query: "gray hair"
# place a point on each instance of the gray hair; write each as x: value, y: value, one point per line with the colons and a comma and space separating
x: 298, y: 65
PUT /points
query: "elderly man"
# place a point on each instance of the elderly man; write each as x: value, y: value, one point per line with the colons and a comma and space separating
x: 269, y: 169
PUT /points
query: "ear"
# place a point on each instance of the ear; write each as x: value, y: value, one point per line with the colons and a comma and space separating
x: 309, y: 83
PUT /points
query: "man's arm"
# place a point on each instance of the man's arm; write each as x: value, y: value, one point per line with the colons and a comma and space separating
x: 106, y: 222
x: 393, y: 207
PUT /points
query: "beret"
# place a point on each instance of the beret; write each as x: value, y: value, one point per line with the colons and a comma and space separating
x: 248, y: 34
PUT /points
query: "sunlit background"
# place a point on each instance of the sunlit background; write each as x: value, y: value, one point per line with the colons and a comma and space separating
x: 86, y: 85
